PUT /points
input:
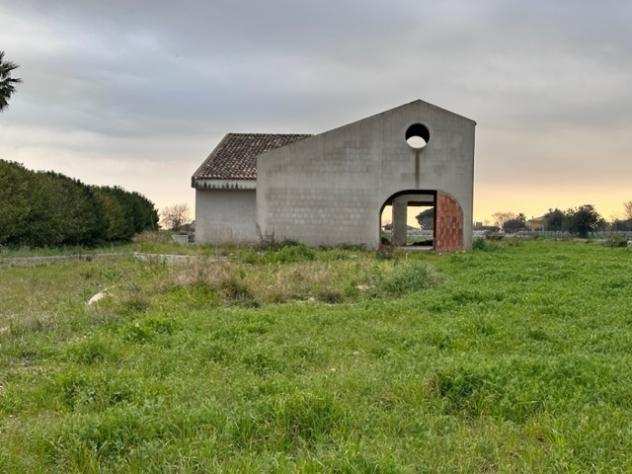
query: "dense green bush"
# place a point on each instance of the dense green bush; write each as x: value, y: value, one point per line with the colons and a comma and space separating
x: 579, y: 221
x: 407, y: 277
x: 46, y: 208
x: 291, y: 252
x: 483, y: 244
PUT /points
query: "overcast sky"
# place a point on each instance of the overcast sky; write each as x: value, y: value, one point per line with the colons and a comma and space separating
x: 137, y: 93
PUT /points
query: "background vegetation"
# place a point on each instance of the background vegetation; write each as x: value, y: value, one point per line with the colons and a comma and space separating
x: 580, y: 221
x: 514, y: 357
x: 48, y: 209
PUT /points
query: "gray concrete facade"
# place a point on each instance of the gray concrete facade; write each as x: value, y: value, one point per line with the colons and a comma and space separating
x: 329, y: 189
x: 225, y: 216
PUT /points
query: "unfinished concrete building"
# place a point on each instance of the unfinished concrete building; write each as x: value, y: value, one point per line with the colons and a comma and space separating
x: 338, y: 186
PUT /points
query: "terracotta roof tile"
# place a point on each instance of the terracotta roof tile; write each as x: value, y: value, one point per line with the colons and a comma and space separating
x: 236, y: 155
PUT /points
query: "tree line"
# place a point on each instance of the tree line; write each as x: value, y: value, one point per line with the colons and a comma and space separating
x: 580, y: 221
x: 46, y: 208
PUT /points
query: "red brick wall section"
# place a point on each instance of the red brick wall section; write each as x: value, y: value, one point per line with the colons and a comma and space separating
x: 449, y: 233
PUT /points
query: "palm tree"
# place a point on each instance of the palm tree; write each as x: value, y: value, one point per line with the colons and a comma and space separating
x: 7, y: 82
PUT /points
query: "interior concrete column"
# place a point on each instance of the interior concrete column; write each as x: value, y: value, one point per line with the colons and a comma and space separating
x: 400, y: 221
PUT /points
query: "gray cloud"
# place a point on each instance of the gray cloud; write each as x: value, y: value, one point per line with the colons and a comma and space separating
x: 158, y: 82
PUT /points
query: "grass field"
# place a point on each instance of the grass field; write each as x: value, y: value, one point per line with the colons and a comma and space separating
x: 515, y: 357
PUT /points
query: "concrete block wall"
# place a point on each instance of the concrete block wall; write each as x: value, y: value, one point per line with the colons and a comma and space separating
x: 225, y: 216
x: 329, y: 189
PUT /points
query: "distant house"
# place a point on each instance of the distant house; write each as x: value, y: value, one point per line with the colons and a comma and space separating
x: 536, y: 223
x: 331, y: 188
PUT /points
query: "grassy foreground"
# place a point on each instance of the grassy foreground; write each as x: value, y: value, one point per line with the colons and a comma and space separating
x: 511, y: 358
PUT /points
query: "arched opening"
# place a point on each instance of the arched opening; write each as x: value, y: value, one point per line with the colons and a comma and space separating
x: 417, y: 136
x: 408, y: 219
x: 422, y: 220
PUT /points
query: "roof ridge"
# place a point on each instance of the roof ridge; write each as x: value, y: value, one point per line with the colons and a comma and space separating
x: 272, y: 134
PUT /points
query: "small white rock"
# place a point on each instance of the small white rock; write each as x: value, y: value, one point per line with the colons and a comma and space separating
x: 98, y: 297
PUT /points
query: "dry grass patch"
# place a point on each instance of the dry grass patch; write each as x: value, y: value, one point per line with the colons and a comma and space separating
x: 333, y: 281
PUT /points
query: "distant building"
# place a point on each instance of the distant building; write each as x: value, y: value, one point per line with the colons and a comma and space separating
x: 536, y: 223
x: 331, y: 188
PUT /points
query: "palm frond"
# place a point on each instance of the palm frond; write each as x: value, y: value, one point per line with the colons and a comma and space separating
x: 7, y: 82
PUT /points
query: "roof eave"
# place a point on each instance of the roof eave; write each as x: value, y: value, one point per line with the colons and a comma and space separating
x: 224, y: 184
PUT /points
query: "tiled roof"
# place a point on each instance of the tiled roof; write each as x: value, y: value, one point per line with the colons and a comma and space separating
x: 236, y: 155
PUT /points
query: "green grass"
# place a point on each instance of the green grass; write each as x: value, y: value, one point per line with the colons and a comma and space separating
x: 513, y: 357
x: 118, y: 247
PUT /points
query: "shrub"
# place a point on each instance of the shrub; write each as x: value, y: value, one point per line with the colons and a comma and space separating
x: 555, y: 220
x: 515, y: 224
x: 147, y: 329
x: 151, y: 237
x: 133, y: 304
x: 290, y: 253
x: 46, y: 208
x: 90, y: 351
x: 77, y: 389
x: 407, y: 277
x: 125, y: 213
x: 234, y: 289
x: 584, y: 219
x: 385, y: 252
x: 616, y: 241
x: 461, y: 389
x: 482, y: 244
x: 305, y: 416
x: 330, y: 295
x: 43, y: 208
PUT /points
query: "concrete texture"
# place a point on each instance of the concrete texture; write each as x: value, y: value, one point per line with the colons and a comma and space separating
x: 225, y: 216
x: 400, y: 221
x: 329, y: 189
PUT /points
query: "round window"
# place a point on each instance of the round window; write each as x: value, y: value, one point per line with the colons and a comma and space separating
x: 417, y: 136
